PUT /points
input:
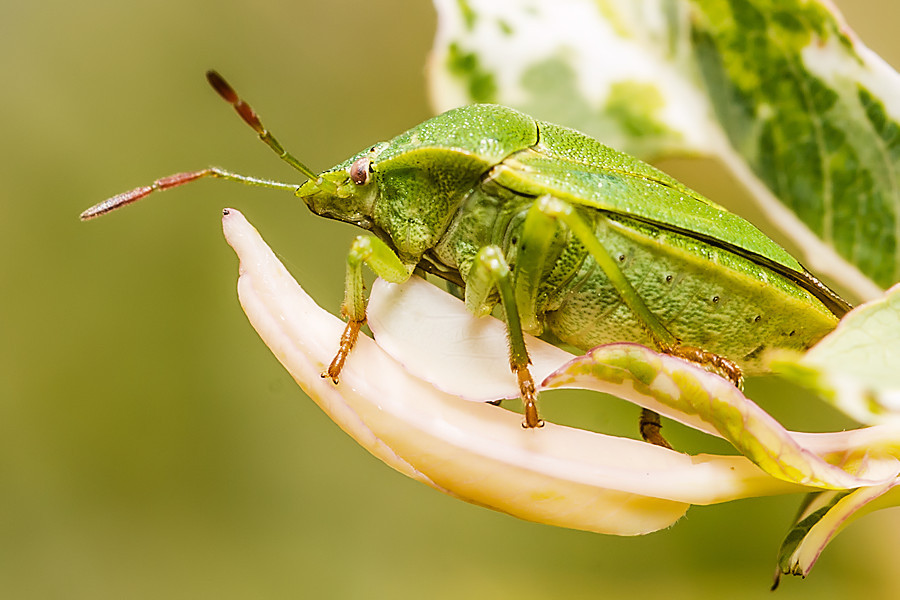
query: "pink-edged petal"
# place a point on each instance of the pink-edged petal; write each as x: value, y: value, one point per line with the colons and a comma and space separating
x: 690, y: 394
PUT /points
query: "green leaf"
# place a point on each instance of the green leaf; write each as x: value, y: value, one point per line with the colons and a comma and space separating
x: 855, y: 366
x: 780, y: 91
x: 815, y: 116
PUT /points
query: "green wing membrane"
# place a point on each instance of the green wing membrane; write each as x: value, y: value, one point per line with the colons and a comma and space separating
x: 580, y: 170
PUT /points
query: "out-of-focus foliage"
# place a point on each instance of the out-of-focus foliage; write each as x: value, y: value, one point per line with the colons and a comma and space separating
x: 150, y: 446
x: 782, y: 92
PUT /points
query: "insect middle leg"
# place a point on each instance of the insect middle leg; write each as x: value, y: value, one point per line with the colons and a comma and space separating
x: 490, y: 272
x: 386, y: 264
x: 538, y: 235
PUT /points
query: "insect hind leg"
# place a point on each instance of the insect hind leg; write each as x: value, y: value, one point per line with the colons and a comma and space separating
x: 649, y: 426
x: 529, y: 270
x: 538, y: 232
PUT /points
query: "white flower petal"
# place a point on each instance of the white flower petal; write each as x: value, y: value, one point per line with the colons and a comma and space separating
x: 472, y: 359
x: 555, y: 475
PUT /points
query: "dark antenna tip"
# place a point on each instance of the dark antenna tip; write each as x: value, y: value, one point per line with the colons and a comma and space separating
x: 221, y: 86
x: 250, y: 117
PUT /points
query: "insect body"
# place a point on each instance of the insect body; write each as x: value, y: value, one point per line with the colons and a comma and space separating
x: 576, y: 241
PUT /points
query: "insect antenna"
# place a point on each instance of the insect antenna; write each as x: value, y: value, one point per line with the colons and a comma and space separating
x: 164, y: 183
x: 250, y: 117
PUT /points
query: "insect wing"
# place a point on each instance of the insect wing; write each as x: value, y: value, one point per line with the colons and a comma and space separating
x: 582, y: 171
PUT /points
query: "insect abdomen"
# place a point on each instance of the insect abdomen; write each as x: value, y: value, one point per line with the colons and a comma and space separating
x: 707, y: 296
x: 704, y: 295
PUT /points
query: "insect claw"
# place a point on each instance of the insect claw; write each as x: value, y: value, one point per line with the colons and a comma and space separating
x: 529, y: 398
x: 348, y: 340
x: 538, y: 424
x: 650, y: 426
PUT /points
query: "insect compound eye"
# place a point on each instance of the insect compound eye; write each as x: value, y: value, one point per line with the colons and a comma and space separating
x: 360, y: 170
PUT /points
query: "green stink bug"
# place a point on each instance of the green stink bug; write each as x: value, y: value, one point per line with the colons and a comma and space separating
x: 576, y: 241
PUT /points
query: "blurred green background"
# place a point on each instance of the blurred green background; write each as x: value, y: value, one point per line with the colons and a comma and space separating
x: 151, y: 447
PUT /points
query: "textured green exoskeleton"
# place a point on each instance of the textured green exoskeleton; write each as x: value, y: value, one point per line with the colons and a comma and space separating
x: 578, y: 242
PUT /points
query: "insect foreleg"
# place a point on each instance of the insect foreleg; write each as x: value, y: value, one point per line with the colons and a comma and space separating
x: 386, y: 264
x: 490, y: 271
